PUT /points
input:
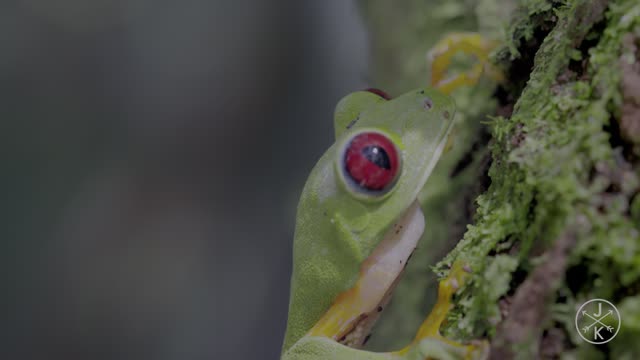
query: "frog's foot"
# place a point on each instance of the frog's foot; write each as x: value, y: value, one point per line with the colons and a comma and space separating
x: 441, y: 56
x: 428, y: 343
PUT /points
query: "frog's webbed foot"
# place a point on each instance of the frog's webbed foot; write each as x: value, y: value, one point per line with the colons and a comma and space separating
x: 428, y: 343
x: 441, y: 56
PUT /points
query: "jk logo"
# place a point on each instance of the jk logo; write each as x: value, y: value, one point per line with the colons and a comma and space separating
x: 598, y: 321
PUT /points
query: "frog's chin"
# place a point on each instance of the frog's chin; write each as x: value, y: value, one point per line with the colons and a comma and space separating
x: 354, y: 312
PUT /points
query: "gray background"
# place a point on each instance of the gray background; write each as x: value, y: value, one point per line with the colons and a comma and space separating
x: 153, y: 155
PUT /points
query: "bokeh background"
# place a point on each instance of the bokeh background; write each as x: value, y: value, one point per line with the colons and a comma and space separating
x: 153, y: 156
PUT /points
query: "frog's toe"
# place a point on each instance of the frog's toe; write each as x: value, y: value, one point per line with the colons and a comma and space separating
x: 441, y: 56
x: 458, y: 274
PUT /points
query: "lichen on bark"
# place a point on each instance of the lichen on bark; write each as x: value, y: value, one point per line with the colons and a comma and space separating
x: 559, y: 223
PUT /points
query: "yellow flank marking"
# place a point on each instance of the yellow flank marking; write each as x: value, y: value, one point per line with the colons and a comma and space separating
x: 341, y: 317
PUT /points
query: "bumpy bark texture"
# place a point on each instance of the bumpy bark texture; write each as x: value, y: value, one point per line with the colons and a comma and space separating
x: 546, y: 173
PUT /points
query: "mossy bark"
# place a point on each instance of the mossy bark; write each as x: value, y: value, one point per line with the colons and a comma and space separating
x: 545, y: 175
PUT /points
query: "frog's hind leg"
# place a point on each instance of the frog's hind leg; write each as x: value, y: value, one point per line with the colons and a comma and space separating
x: 441, y: 56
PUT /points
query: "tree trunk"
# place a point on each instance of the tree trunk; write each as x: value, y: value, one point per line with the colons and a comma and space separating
x: 545, y: 170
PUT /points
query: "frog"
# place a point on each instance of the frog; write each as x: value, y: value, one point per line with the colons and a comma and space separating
x: 359, y: 220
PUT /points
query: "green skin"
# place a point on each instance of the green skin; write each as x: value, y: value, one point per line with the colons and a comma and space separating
x: 338, y: 227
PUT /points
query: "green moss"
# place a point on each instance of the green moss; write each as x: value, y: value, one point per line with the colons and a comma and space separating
x: 626, y: 345
x: 543, y: 182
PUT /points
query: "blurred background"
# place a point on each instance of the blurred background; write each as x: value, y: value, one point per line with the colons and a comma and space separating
x: 154, y: 152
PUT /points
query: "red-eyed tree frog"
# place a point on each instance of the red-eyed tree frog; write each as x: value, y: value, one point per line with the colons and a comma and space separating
x: 358, y: 219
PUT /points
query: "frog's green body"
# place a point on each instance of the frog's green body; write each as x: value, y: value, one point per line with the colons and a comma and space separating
x: 352, y: 239
x: 335, y: 230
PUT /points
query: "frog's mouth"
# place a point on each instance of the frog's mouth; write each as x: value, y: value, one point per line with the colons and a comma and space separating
x: 355, y: 311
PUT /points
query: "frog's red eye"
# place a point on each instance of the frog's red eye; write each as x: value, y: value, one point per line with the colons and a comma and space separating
x: 372, y: 161
x: 379, y: 92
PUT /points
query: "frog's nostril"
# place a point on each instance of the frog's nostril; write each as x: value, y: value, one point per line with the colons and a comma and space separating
x: 427, y: 104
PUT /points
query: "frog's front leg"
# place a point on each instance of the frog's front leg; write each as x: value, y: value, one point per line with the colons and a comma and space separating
x: 428, y: 343
x: 441, y: 56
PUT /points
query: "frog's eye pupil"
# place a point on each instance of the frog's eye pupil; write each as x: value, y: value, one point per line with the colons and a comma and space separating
x: 371, y: 161
x: 378, y: 156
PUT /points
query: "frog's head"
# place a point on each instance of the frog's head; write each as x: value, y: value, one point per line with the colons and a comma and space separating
x: 388, y: 146
x: 364, y: 189
x: 384, y: 154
